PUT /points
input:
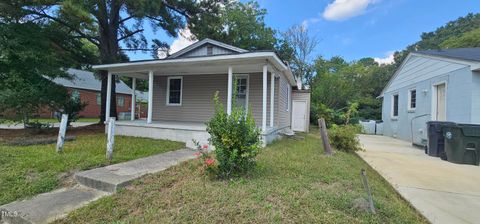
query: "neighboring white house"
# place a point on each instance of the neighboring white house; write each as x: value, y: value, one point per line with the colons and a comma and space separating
x: 441, y: 85
x: 182, y: 86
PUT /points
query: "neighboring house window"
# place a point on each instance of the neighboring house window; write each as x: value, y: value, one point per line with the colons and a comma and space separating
x: 75, y: 94
x: 174, y: 91
x: 412, y: 99
x: 209, y: 50
x: 120, y: 101
x: 395, y: 105
x: 99, y: 99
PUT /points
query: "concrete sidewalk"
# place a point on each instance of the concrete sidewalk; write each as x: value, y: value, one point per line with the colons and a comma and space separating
x: 443, y: 192
x: 55, y: 125
x: 93, y: 184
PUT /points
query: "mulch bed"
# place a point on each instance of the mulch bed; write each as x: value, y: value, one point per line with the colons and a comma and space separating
x: 12, y: 135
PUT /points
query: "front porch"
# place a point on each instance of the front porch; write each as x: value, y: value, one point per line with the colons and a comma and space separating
x: 180, y: 94
x: 182, y: 131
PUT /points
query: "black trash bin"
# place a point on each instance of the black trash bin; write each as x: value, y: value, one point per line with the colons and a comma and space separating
x: 435, y: 138
x: 462, y: 143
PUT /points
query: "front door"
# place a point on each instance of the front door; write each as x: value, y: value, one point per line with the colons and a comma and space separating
x: 299, y: 115
x: 440, y: 103
x: 242, y: 90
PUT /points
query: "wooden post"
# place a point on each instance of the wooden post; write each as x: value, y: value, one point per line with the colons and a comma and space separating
x: 61, y: 133
x: 110, y: 137
x: 324, y: 134
x: 363, y: 173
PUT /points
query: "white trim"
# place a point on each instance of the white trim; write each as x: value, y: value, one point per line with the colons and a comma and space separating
x: 409, y: 100
x: 264, y: 98
x: 241, y: 76
x: 134, y: 100
x: 269, y: 56
x: 167, y: 101
x: 108, y: 102
x: 150, y: 97
x: 272, y: 98
x: 229, y: 90
x: 392, y: 106
x: 434, y: 99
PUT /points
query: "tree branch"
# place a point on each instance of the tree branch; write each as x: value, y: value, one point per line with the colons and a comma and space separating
x: 127, y: 35
x: 125, y: 19
x: 174, y: 8
x: 137, y: 49
x: 92, y: 39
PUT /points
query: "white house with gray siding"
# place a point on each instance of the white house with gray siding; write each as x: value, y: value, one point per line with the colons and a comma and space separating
x: 182, y: 86
x: 441, y: 85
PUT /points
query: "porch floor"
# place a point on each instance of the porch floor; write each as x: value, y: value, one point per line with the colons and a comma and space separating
x: 178, y: 125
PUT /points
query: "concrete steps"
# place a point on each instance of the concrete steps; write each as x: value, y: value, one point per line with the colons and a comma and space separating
x: 93, y: 184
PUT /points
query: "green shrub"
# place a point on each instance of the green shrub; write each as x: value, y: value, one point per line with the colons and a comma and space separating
x: 344, y: 137
x: 236, y: 139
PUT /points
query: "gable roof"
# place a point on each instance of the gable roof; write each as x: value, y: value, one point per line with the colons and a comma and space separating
x: 469, y: 54
x: 204, y: 42
x: 466, y: 56
x: 86, y: 80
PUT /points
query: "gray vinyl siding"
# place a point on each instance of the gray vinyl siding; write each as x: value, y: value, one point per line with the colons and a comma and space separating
x: 282, y: 106
x: 421, y: 74
x: 202, y: 51
x: 197, y: 98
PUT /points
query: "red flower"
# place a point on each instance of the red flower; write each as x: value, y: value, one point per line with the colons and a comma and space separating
x: 209, y: 161
x: 205, y: 146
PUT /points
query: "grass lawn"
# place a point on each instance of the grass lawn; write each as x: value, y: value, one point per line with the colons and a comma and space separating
x: 30, y: 170
x: 294, y: 183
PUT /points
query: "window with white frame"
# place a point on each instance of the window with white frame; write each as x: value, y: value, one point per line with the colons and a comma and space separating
x: 99, y: 99
x: 120, y: 101
x: 75, y: 94
x: 412, y: 99
x: 395, y: 105
x: 174, y: 91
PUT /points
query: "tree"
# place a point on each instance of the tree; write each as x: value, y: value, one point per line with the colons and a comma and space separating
x: 468, y: 39
x: 303, y: 44
x: 31, y: 54
x: 106, y: 24
x: 238, y: 24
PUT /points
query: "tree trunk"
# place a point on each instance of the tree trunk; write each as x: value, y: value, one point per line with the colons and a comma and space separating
x: 108, y: 27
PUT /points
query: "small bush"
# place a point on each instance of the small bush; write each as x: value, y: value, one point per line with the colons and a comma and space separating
x: 236, y: 139
x: 344, y: 137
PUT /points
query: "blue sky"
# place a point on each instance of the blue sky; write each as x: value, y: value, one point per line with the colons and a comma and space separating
x: 355, y: 29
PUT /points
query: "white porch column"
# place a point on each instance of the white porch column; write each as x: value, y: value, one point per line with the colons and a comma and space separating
x: 264, y: 99
x: 109, y: 97
x: 134, y: 100
x: 230, y: 90
x: 272, y: 98
x: 150, y: 97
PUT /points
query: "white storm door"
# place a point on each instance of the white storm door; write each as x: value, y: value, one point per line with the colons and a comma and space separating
x: 298, y: 115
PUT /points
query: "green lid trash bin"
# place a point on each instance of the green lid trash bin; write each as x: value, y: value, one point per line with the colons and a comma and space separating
x: 462, y: 143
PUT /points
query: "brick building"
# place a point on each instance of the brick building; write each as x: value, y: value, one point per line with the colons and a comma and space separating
x: 87, y: 87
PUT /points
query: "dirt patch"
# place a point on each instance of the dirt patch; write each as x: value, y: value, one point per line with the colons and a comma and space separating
x: 7, y: 135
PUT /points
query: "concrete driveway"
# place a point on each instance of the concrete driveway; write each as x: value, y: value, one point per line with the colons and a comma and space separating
x: 443, y: 192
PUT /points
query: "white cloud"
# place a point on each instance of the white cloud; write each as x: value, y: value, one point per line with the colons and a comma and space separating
x: 184, y: 39
x: 388, y: 59
x: 344, y: 9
